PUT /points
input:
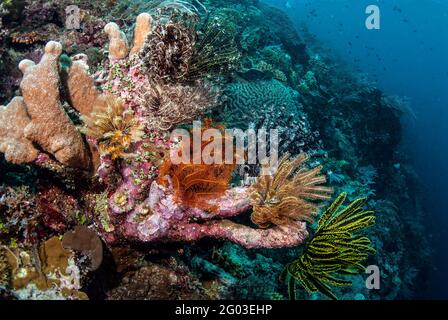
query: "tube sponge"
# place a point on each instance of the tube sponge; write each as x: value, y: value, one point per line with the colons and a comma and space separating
x: 13, y: 143
x: 50, y: 126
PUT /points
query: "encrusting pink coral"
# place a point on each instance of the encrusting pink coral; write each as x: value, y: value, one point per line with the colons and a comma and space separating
x: 160, y: 217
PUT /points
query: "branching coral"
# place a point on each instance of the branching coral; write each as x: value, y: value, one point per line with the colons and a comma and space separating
x: 114, y: 128
x: 285, y: 196
x: 335, y: 248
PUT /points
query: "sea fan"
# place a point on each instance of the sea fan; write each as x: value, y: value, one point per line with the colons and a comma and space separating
x: 114, y: 128
x: 277, y: 199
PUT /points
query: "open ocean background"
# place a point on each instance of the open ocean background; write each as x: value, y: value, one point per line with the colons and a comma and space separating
x: 408, y: 56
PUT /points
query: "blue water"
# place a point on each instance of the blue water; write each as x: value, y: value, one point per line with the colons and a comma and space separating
x: 408, y: 56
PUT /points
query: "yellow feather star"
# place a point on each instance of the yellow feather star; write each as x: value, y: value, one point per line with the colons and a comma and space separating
x: 288, y: 194
x: 335, y: 248
x: 114, y: 128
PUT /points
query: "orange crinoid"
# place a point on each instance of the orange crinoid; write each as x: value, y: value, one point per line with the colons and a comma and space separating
x: 195, y: 183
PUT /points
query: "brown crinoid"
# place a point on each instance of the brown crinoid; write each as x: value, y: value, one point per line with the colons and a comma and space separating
x: 288, y: 194
x: 169, y: 105
x: 114, y: 128
x: 167, y: 52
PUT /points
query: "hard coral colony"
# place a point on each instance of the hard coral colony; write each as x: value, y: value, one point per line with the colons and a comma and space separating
x: 118, y: 160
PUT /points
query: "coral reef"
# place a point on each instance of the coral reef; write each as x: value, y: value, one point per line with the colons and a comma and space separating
x: 91, y: 204
x: 115, y: 129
